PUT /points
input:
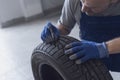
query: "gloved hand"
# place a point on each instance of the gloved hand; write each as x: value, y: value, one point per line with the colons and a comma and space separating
x: 50, y: 33
x: 85, y: 50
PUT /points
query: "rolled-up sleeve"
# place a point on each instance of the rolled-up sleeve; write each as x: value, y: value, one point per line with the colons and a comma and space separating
x: 67, y: 17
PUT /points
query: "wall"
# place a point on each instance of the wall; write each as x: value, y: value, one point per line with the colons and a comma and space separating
x: 12, y: 11
x: 48, y: 4
x: 31, y: 7
x: 9, y: 9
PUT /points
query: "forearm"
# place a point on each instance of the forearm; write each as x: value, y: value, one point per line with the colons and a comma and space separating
x: 113, y: 46
x: 62, y: 29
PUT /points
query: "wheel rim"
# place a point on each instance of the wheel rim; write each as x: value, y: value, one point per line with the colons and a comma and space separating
x: 49, y: 73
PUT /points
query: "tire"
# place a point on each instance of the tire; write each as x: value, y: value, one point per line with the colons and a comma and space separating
x: 49, y: 63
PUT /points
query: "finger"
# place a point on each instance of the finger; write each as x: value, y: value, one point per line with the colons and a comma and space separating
x: 76, y: 55
x: 42, y: 35
x: 73, y: 50
x: 54, y: 33
x: 72, y: 45
x: 77, y: 49
x: 47, y: 34
x: 48, y: 24
x: 78, y: 61
x: 51, y: 33
x: 46, y: 37
x: 81, y: 60
x: 69, y: 51
x: 72, y: 57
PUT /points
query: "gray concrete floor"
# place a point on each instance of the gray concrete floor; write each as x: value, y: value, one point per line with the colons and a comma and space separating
x: 16, y: 46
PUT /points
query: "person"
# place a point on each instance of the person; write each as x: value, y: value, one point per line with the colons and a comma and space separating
x: 99, y: 22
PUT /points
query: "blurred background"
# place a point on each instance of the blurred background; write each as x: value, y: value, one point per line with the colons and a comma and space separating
x: 21, y: 22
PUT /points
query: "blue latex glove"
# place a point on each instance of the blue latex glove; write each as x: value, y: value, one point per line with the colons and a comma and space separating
x: 85, y: 50
x: 50, y: 33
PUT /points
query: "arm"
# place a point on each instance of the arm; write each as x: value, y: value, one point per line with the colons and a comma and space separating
x: 113, y: 46
x: 65, y: 23
x: 85, y: 50
x: 67, y: 19
x: 62, y: 29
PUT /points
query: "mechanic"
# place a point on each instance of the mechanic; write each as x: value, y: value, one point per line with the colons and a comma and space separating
x: 99, y: 22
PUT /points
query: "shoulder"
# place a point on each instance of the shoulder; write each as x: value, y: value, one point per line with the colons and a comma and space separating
x: 72, y: 9
x: 72, y: 6
x: 72, y: 3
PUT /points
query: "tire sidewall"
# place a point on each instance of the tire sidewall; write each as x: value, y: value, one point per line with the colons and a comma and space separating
x: 43, y: 58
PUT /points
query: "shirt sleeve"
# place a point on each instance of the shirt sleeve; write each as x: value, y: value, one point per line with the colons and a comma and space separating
x: 68, y: 18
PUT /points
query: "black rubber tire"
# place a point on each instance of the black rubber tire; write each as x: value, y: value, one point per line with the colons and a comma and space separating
x: 49, y: 63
